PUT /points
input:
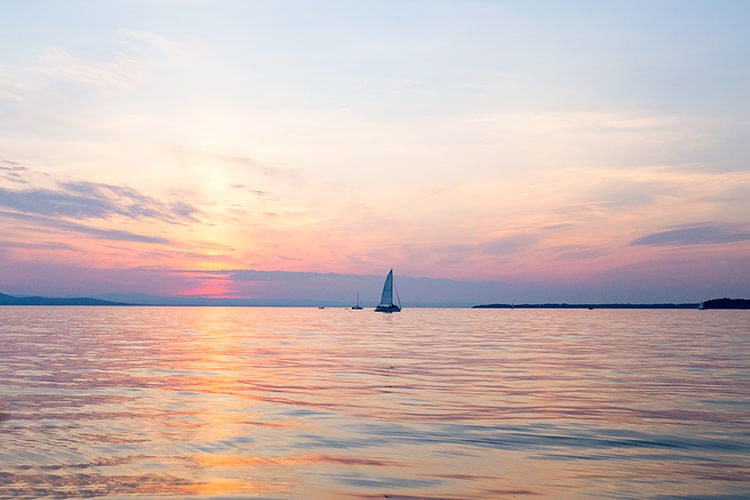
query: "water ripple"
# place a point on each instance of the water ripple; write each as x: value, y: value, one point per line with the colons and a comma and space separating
x: 433, y: 403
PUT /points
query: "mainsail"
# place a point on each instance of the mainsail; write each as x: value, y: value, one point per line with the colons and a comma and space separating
x: 387, y: 298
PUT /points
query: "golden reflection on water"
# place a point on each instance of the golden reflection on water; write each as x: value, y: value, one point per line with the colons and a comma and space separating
x: 335, y: 403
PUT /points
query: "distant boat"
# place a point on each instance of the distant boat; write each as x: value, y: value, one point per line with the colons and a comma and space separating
x: 386, y: 300
x: 321, y: 307
x: 357, y: 306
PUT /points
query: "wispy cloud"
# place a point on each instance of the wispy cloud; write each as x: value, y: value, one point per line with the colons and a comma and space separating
x: 622, y: 193
x: 38, y: 246
x: 609, y: 122
x: 508, y: 244
x: 68, y: 205
x: 593, y: 138
x: 577, y: 252
x: 89, y: 200
x: 252, y: 164
x: 256, y: 275
x: 15, y: 83
x: 150, y: 43
x: 501, y: 246
x: 115, y: 70
x: 126, y: 58
x: 696, y: 234
x: 73, y: 227
x: 12, y: 171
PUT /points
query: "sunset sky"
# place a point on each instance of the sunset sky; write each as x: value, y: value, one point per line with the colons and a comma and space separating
x: 488, y: 151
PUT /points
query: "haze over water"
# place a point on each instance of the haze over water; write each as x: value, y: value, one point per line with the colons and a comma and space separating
x: 428, y: 403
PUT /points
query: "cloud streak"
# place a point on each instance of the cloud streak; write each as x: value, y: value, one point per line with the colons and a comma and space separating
x: 124, y: 60
x: 12, y: 171
x: 54, y: 207
x: 38, y: 246
x: 246, y: 162
x: 695, y: 234
x: 256, y: 275
x: 104, y: 234
x: 92, y: 200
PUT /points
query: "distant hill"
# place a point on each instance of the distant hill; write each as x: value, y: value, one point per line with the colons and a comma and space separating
x: 587, y: 306
x: 10, y: 300
x: 726, y: 303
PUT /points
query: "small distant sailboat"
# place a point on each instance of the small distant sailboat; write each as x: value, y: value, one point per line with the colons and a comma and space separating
x: 357, y: 306
x: 386, y: 299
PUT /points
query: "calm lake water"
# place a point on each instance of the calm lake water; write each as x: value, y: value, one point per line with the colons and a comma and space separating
x: 341, y: 404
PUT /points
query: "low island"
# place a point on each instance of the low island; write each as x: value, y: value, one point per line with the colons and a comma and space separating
x: 726, y: 303
x: 11, y: 300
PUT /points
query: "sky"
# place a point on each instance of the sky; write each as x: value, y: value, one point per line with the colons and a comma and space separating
x: 487, y: 151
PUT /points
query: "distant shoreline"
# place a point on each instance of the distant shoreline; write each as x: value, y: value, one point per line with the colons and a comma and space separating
x: 563, y: 305
x: 724, y: 303
x: 10, y: 300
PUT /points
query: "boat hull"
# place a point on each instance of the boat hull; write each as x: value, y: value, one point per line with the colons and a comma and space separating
x: 393, y: 308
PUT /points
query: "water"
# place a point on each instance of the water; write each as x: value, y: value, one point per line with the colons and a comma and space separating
x: 341, y: 404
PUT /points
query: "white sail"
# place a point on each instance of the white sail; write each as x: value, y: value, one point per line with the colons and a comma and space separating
x: 357, y: 306
x: 387, y: 298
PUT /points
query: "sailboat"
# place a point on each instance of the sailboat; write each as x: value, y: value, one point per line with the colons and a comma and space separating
x: 357, y: 306
x: 386, y: 300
